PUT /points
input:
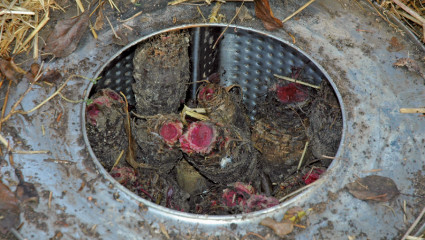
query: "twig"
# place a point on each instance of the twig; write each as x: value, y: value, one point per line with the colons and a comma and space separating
x: 297, y: 81
x: 35, y: 43
x: 4, y: 141
x: 414, y: 238
x: 233, y: 19
x: 5, y: 11
x: 417, y: 220
x: 6, y: 99
x: 17, y: 234
x: 298, y: 11
x: 49, y: 204
x: 412, y: 110
x: 58, y: 161
x: 302, y: 156
x: 253, y: 234
x: 202, y: 15
x: 118, y: 159
x: 69, y: 100
x: 404, y: 212
x: 128, y: 19
x: 176, y: 2
x: 31, y: 152
x: 80, y: 5
x: 389, y: 207
x: 372, y: 170
x: 113, y: 30
x: 49, y: 98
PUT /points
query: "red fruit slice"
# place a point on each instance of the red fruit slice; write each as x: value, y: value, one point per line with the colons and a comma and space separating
x: 171, y: 132
x: 200, y: 138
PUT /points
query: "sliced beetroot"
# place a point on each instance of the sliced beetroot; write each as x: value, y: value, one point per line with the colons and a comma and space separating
x: 104, y: 99
x: 291, y: 93
x: 313, y: 175
x: 199, y: 138
x: 206, y: 93
x: 244, y: 198
x: 171, y: 131
x: 92, y: 114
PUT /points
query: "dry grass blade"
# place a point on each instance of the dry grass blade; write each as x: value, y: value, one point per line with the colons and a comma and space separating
x: 131, y: 158
x: 298, y: 11
x: 417, y: 220
x: 297, y: 81
x: 412, y: 110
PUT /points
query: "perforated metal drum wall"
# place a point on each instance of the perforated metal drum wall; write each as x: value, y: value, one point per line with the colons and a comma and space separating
x: 242, y: 57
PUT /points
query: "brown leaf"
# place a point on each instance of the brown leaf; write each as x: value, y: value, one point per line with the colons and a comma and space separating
x: 121, y: 37
x: 374, y: 188
x: 9, y: 209
x: 409, y: 63
x: 243, y: 13
x: 25, y: 191
x: 8, y: 70
x: 294, y: 214
x: 66, y: 35
x: 51, y: 76
x: 98, y: 24
x: 264, y: 12
x: 281, y: 229
x: 395, y: 45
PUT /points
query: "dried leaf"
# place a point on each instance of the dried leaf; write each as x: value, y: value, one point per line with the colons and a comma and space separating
x: 411, y: 65
x: 374, y: 188
x: 9, y: 209
x: 67, y: 34
x: 99, y: 20
x: 243, y: 14
x: 294, y: 214
x: 25, y: 191
x: 120, y: 38
x: 164, y: 230
x: 264, y: 12
x: 281, y: 229
x: 395, y: 45
x: 51, y: 76
x: 8, y: 70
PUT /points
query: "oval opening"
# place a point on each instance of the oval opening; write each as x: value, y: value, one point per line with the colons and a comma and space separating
x: 213, y: 126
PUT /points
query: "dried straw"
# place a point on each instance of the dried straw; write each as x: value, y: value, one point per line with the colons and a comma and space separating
x: 411, y: 12
x: 20, y: 23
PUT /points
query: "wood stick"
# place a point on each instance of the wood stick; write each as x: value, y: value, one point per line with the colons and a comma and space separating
x: 412, y: 110
x: 298, y: 11
x: 297, y: 81
x: 414, y: 224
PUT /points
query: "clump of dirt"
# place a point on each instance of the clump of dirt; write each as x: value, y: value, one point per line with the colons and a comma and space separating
x: 161, y: 71
x: 325, y: 117
x: 210, y: 158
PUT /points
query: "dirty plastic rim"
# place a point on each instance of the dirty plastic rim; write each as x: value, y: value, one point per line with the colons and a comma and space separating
x: 191, y: 216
